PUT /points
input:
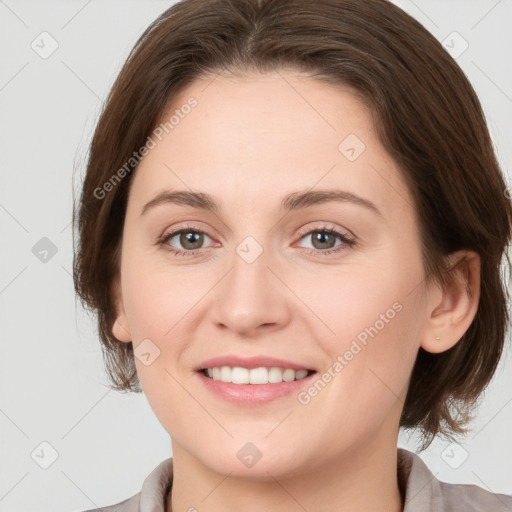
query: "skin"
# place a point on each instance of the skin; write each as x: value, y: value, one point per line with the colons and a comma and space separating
x: 250, y: 141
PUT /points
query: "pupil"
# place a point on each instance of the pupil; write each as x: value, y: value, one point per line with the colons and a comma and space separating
x: 189, y: 237
x: 319, y: 237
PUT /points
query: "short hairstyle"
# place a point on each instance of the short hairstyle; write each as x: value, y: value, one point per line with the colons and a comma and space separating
x: 427, y: 116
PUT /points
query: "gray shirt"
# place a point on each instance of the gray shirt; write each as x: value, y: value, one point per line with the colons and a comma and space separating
x: 421, y: 491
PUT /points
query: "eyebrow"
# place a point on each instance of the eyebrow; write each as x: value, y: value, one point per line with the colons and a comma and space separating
x: 293, y: 201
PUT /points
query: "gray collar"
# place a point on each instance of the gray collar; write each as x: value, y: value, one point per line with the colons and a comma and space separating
x: 422, y: 491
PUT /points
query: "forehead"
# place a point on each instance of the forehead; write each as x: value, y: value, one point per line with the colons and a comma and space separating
x: 257, y: 137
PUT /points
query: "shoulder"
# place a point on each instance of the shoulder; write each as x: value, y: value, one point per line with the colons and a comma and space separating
x: 152, y: 495
x: 425, y: 493
x: 473, y: 498
x: 127, y: 505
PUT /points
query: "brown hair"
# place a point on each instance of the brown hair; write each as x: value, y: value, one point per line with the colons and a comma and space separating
x: 427, y: 116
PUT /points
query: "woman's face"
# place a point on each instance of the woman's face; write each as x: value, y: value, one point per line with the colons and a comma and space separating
x: 264, y: 279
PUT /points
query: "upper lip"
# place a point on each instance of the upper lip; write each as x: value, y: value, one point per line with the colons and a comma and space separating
x: 250, y: 362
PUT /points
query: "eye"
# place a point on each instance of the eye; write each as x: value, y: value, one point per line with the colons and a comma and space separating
x: 190, y: 238
x: 323, y: 239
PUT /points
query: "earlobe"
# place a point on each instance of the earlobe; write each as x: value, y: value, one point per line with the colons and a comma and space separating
x: 120, y: 329
x: 451, y: 317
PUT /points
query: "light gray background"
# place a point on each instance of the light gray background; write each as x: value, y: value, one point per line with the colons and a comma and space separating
x: 52, y: 385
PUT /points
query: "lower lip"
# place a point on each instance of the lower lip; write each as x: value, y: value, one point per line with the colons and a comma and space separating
x: 251, y: 394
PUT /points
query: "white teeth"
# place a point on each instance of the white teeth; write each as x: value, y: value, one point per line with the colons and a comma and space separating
x: 238, y: 375
x: 225, y: 374
x: 258, y: 376
x: 275, y: 375
x: 261, y: 375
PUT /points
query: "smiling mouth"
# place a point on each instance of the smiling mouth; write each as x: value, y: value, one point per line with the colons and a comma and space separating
x: 261, y: 375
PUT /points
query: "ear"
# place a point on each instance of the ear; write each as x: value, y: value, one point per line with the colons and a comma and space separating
x: 120, y: 328
x: 453, y: 309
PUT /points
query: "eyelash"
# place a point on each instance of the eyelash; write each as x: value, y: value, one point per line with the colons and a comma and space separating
x: 347, y: 242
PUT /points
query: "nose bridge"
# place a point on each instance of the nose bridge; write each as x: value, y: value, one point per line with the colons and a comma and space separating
x: 248, y: 282
x: 251, y: 295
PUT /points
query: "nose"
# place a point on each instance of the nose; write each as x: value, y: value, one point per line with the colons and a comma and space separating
x: 252, y: 297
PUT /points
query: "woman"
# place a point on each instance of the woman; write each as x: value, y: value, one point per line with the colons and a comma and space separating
x: 291, y: 230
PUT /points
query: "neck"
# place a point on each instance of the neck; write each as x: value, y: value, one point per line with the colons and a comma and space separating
x: 357, y: 481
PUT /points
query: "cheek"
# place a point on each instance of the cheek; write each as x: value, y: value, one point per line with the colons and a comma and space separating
x: 353, y: 302
x: 158, y: 296
x: 367, y: 380
x: 159, y: 304
x: 371, y: 321
x: 156, y: 302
